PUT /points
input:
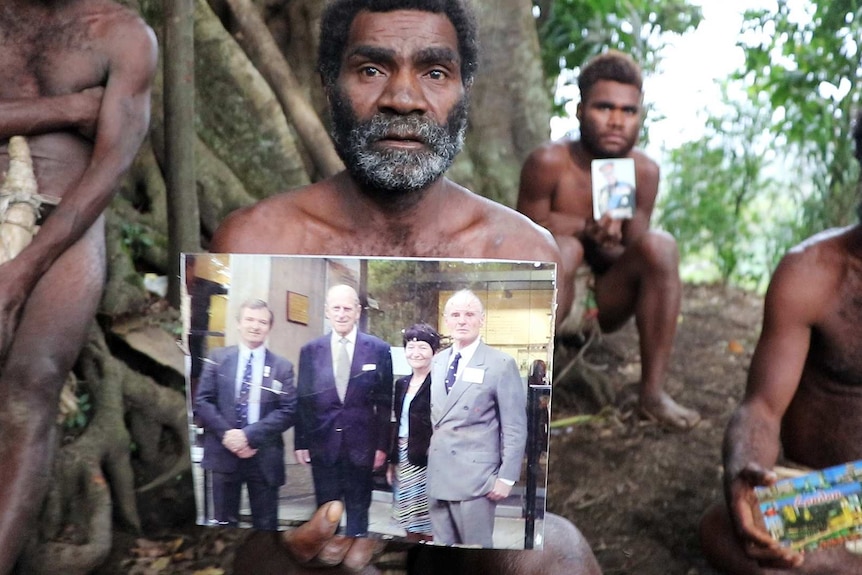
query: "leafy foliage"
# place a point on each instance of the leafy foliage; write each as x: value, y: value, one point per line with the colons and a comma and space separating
x: 721, y: 204
x: 806, y: 61
x: 572, y: 31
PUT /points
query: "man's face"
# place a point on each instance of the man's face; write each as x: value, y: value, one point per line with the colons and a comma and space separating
x: 464, y: 319
x: 254, y: 326
x: 399, y: 109
x: 610, y: 118
x: 342, y: 310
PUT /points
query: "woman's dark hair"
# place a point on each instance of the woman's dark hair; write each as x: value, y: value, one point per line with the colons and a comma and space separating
x: 422, y: 332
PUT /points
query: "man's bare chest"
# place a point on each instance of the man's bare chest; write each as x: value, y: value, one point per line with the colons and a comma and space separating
x: 48, y: 55
x: 835, y: 349
x: 573, y: 194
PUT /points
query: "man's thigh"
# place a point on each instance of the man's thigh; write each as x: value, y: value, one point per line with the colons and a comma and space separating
x: 56, y: 319
x: 616, y: 292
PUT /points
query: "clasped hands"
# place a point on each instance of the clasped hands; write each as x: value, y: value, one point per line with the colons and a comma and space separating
x: 236, y: 442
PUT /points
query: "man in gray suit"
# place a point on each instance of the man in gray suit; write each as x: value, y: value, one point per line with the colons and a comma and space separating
x: 478, y: 416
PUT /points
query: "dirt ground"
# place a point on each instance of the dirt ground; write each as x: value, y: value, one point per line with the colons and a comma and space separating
x: 635, y: 490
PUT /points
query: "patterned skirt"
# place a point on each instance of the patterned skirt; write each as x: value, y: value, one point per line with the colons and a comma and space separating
x: 410, y: 509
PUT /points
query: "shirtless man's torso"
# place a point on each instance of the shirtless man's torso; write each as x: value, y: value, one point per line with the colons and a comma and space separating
x: 803, y: 401
x: 78, y: 88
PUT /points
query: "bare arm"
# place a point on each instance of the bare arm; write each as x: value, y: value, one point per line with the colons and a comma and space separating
x: 752, y: 440
x: 539, y: 180
x: 123, y: 118
x: 33, y: 116
x: 647, y: 174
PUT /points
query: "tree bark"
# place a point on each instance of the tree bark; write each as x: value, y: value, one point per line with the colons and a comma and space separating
x: 184, y: 230
x: 261, y: 48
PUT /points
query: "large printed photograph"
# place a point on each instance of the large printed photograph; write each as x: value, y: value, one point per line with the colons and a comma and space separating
x: 414, y: 391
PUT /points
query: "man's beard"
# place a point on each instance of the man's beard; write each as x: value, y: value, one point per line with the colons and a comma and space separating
x: 394, y: 173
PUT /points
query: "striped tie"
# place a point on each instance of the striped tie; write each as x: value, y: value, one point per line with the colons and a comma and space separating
x: 244, y: 390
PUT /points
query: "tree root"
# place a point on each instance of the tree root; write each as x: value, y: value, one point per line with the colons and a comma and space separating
x: 93, y: 475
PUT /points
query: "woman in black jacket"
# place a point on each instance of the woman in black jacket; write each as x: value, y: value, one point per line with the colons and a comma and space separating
x: 407, y: 471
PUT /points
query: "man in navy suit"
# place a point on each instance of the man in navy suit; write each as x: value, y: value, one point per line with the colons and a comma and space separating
x: 345, y: 401
x: 246, y: 400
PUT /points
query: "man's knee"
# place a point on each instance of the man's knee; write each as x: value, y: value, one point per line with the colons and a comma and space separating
x: 33, y: 379
x: 659, y: 250
x: 719, y: 544
x: 571, y: 253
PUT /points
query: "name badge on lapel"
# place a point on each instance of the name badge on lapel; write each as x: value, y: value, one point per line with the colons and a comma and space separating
x: 266, y: 371
x: 369, y: 367
x: 473, y: 375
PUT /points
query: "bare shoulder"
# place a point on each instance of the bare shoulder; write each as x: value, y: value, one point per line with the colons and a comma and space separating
x: 646, y: 169
x: 109, y: 19
x: 553, y: 153
x: 123, y: 35
x: 810, y: 274
x: 272, y: 225
x: 509, y: 234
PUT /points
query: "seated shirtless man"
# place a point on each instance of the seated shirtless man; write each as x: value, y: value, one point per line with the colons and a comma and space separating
x: 636, y: 268
x: 801, y: 399
x: 397, y: 79
x: 77, y: 77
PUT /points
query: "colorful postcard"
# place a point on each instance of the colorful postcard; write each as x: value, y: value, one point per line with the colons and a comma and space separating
x: 815, y: 510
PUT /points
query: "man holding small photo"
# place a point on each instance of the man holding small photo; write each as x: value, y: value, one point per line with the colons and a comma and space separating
x: 636, y: 268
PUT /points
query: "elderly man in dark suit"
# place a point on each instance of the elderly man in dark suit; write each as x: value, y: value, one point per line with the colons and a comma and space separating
x: 345, y: 403
x: 479, y: 421
x: 246, y: 400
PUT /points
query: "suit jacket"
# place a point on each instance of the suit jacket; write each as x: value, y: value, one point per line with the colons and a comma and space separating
x: 419, y: 421
x: 215, y: 406
x: 361, y: 423
x: 479, y: 428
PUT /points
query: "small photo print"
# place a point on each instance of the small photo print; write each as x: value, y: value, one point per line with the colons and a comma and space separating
x: 613, y: 187
x: 312, y: 379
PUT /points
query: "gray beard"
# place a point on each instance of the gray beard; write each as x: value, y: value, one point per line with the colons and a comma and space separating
x: 394, y: 173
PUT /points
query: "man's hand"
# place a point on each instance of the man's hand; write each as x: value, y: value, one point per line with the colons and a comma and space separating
x: 88, y: 102
x: 605, y: 233
x: 303, y: 456
x: 757, y: 542
x: 235, y: 440
x: 13, y: 295
x: 308, y: 548
x: 380, y: 458
x: 500, y: 491
x: 390, y: 473
x: 246, y: 452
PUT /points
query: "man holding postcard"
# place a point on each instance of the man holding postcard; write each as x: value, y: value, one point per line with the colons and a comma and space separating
x: 479, y: 429
x: 245, y: 401
x: 636, y: 268
x: 802, y: 402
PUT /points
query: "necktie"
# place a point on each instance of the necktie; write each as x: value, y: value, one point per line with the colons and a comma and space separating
x: 450, y: 375
x: 244, y: 390
x: 342, y: 369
